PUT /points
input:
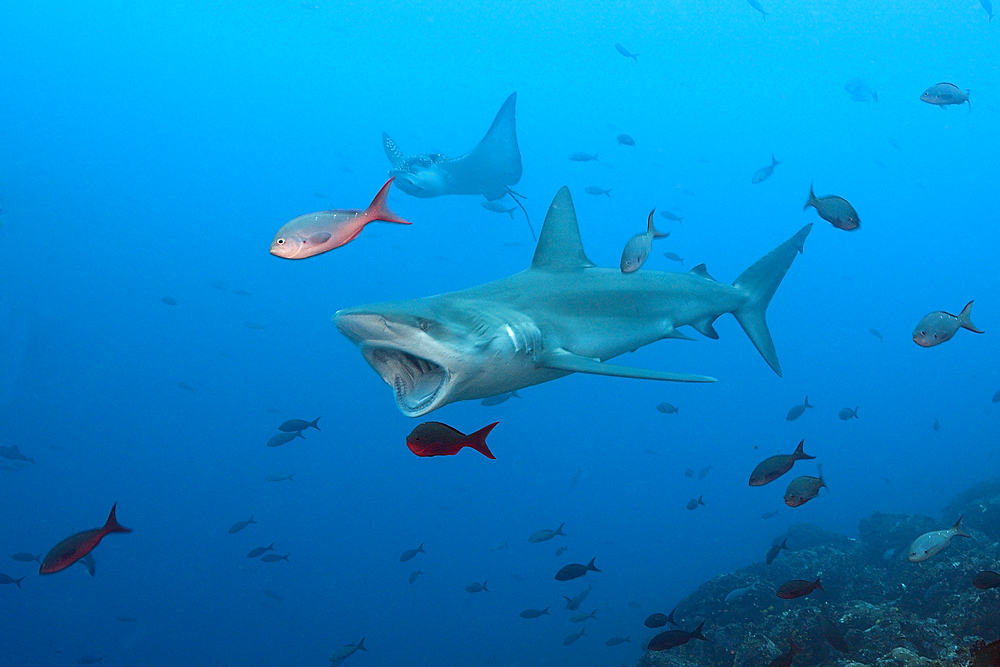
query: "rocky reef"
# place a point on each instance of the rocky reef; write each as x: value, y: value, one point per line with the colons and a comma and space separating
x: 889, y: 611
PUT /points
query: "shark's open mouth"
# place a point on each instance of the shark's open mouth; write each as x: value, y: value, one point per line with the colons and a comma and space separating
x: 417, y: 382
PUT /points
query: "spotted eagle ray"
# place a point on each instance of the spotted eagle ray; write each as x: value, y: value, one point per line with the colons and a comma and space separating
x: 559, y: 316
x: 489, y: 169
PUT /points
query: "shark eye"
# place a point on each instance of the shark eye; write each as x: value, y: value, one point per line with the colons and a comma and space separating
x: 422, y: 324
x: 280, y: 241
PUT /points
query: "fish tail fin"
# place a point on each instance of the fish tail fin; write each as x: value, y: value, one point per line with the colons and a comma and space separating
x: 807, y: 403
x: 420, y: 549
x: 29, y: 459
x: 608, y: 193
x: 701, y: 500
x: 812, y: 198
x: 801, y: 455
x: 485, y: 590
x: 291, y: 478
x: 477, y: 440
x: 856, y: 412
x: 651, y: 228
x: 315, y: 423
x: 784, y: 544
x: 559, y: 529
x: 379, y: 208
x: 18, y: 581
x: 774, y: 161
x: 759, y: 284
x: 591, y: 567
x: 958, y: 529
x: 361, y: 645
x: 545, y: 612
x: 819, y: 585
x: 112, y: 525
x: 965, y: 318
x: 696, y: 633
x: 510, y: 212
x: 38, y: 559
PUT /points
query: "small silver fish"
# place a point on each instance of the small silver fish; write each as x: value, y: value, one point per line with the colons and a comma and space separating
x: 414, y: 575
x: 674, y: 257
x: 693, y: 503
x: 581, y: 616
x: 626, y: 140
x: 944, y: 94
x: 847, y: 413
x: 861, y: 91
x: 582, y: 157
x: 240, y: 525
x: 877, y: 334
x: 930, y: 544
x: 666, y: 408
x: 937, y: 327
x: 615, y: 641
x: 988, y: 8
x: 594, y: 190
x: 281, y: 478
x: 476, y: 587
x: 625, y: 52
x: 497, y: 207
x: 638, y: 247
x: 284, y: 438
x: 673, y: 217
x: 756, y: 5
x: 763, y: 173
x: 573, y: 637
x: 274, y: 558
x: 546, y: 534
x: 797, y: 411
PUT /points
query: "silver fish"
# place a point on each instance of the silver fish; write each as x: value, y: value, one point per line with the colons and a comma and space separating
x: 835, y: 210
x: 626, y: 140
x: 877, y: 334
x: 240, y: 525
x: 581, y: 616
x: 674, y: 257
x: 638, y: 247
x: 534, y: 613
x: 673, y: 217
x: 284, y: 438
x: 693, y: 503
x: 281, y: 478
x: 573, y: 637
x: 476, y: 587
x: 414, y: 575
x: 930, y: 544
x: 847, y: 413
x: 756, y: 5
x: 937, y: 327
x: 625, y: 52
x: 666, y: 408
x: 497, y: 207
x: 797, y: 411
x: 582, y: 157
x: 944, y: 94
x: 546, y: 534
x: 595, y: 190
x: 763, y: 173
x: 861, y: 91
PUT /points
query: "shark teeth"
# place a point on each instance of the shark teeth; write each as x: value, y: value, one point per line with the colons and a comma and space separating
x: 417, y: 382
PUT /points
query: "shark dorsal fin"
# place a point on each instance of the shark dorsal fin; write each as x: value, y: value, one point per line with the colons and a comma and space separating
x: 702, y: 272
x: 559, y: 247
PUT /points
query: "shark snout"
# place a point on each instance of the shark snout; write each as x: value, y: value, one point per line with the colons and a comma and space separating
x: 361, y: 326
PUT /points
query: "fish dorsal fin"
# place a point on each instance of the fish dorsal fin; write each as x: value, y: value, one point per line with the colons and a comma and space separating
x: 702, y: 272
x: 391, y: 150
x: 559, y: 247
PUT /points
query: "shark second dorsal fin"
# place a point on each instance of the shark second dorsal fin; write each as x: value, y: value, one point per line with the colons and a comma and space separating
x: 559, y: 247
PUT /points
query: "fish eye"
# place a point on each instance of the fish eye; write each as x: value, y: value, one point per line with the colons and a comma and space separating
x: 280, y: 241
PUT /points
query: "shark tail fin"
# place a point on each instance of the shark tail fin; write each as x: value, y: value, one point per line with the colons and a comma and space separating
x: 477, y: 441
x: 759, y: 284
x: 379, y: 210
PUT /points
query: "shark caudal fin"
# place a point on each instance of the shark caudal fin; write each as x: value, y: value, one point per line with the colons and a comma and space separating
x: 759, y: 283
x: 495, y: 163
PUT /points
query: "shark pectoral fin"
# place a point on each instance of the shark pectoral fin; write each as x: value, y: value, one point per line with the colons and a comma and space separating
x: 563, y: 360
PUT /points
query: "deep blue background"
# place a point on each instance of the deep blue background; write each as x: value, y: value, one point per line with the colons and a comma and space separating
x: 151, y: 150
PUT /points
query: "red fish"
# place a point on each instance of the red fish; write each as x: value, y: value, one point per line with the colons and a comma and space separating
x: 315, y: 233
x: 75, y: 547
x: 437, y: 439
x: 796, y: 588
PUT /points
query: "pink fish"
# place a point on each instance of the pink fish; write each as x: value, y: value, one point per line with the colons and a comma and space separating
x: 75, y: 547
x: 315, y: 233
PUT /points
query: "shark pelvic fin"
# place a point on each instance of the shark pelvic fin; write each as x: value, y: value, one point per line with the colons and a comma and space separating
x: 559, y: 246
x: 564, y: 360
x: 759, y: 282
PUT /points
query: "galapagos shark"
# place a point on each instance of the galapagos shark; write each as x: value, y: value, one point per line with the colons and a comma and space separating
x: 559, y: 316
x: 489, y: 169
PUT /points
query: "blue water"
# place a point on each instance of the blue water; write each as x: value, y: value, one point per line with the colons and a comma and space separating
x: 153, y: 149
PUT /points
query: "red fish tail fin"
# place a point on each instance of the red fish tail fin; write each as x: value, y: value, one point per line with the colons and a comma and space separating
x: 477, y: 440
x: 801, y: 455
x: 958, y: 529
x: 965, y: 319
x: 379, y: 208
x: 591, y: 567
x: 112, y: 525
x: 696, y: 633
x: 818, y: 586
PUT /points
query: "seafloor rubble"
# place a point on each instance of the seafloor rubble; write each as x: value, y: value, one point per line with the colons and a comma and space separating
x: 891, y: 612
